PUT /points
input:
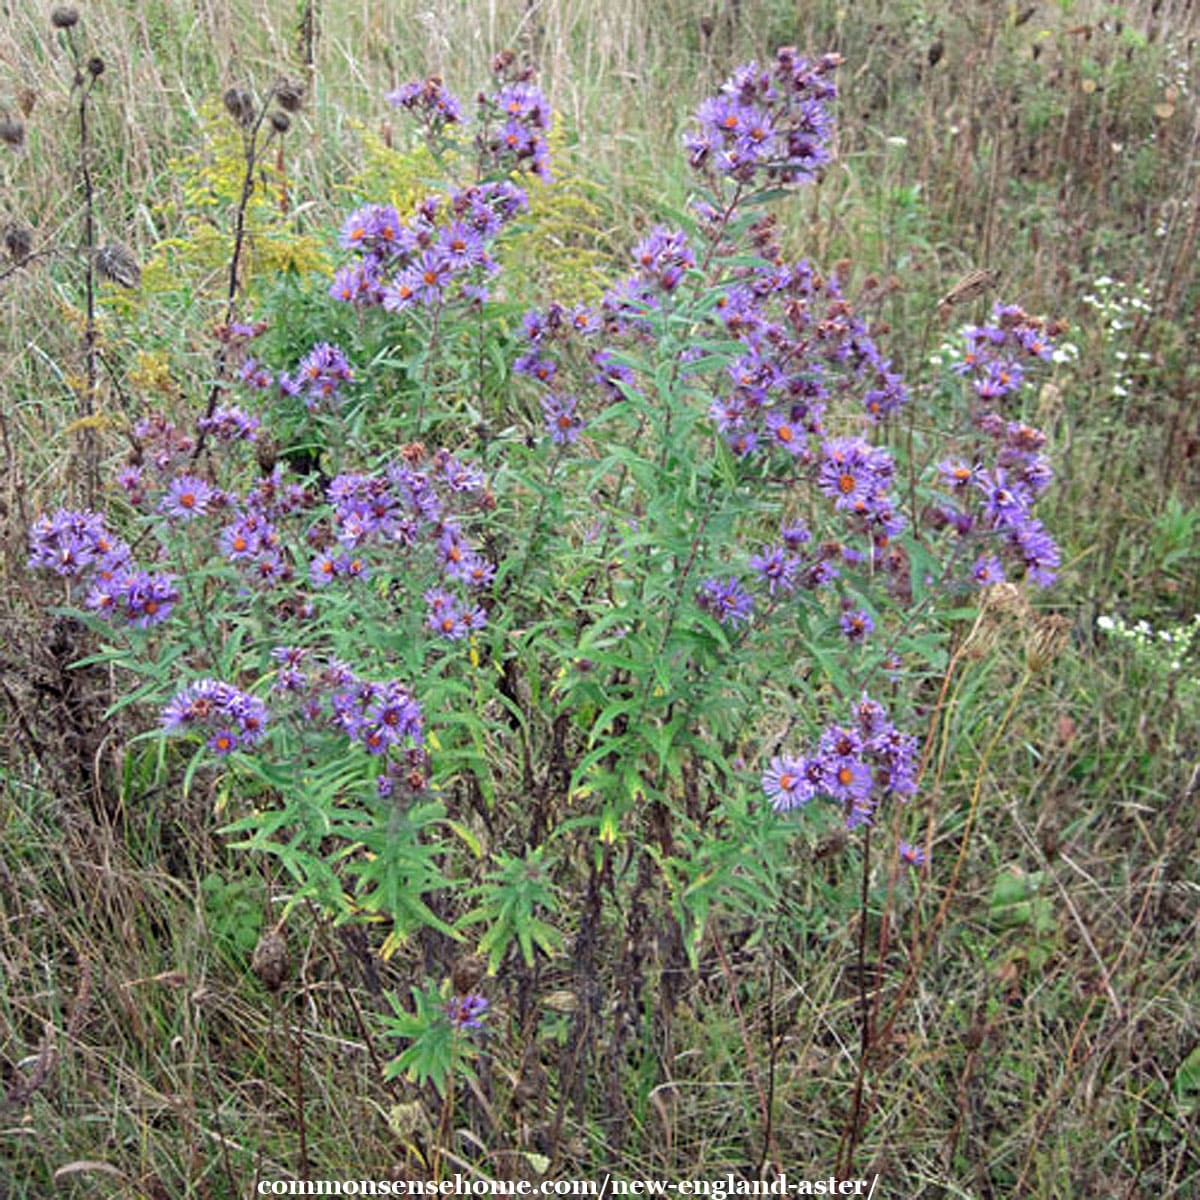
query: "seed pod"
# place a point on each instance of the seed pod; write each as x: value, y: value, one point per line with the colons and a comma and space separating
x: 18, y: 241
x: 290, y: 95
x: 63, y: 16
x: 117, y: 264
x: 280, y: 122
x: 95, y: 66
x: 12, y: 131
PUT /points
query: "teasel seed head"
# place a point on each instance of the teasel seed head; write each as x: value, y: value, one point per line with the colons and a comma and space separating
x: 12, y: 132
x: 18, y: 241
x: 117, y: 264
x: 64, y: 16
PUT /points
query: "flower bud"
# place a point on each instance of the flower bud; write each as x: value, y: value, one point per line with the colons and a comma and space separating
x: 280, y: 122
x: 63, y: 16
x: 95, y: 66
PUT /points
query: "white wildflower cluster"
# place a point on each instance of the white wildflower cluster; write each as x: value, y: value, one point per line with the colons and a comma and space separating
x: 1175, y: 75
x: 1169, y: 648
x: 1119, y: 307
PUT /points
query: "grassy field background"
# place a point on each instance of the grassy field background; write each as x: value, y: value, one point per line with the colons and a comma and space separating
x: 1052, y: 1044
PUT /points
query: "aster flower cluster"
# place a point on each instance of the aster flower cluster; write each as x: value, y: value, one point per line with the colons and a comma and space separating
x: 804, y: 346
x: 230, y: 424
x: 397, y: 508
x: 231, y: 719
x: 769, y: 124
x: 858, y: 765
x: 429, y: 101
x: 515, y: 121
x: 383, y: 718
x: 990, y: 496
x: 551, y: 332
x: 81, y: 548
x: 251, y: 539
x: 438, y: 255
x: 797, y: 561
x: 320, y: 378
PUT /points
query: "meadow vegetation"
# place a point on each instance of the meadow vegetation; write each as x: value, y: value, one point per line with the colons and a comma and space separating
x: 423, y: 759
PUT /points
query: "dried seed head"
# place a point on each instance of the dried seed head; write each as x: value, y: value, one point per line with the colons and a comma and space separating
x: 280, y: 122
x: 18, y: 241
x: 117, y: 264
x: 271, y: 961
x: 12, y: 131
x: 95, y: 66
x: 240, y: 105
x: 466, y: 971
x: 63, y: 16
x: 290, y: 95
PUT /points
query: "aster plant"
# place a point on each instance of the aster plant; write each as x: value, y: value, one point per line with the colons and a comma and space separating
x: 658, y: 623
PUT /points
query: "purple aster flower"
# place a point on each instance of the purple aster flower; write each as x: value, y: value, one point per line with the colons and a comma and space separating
x: 323, y: 570
x: 144, y: 599
x: 857, y: 625
x: 912, y: 856
x: 987, y: 570
x: 663, y: 257
x: 726, y: 600
x: 887, y: 397
x: 536, y: 366
x: 1006, y: 502
x: 1038, y: 550
x: 229, y: 424
x: 254, y: 375
x: 429, y: 100
x: 563, y: 422
x: 447, y: 618
x: 214, y: 707
x: 777, y: 568
x: 321, y: 375
x: 785, y: 433
x: 188, y: 497
x: 795, y: 534
x: 68, y: 543
x: 743, y: 442
x: 853, y: 472
x: 467, y: 1012
x: 786, y: 783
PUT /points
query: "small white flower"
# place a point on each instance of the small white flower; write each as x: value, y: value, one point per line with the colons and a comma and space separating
x: 1106, y: 623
